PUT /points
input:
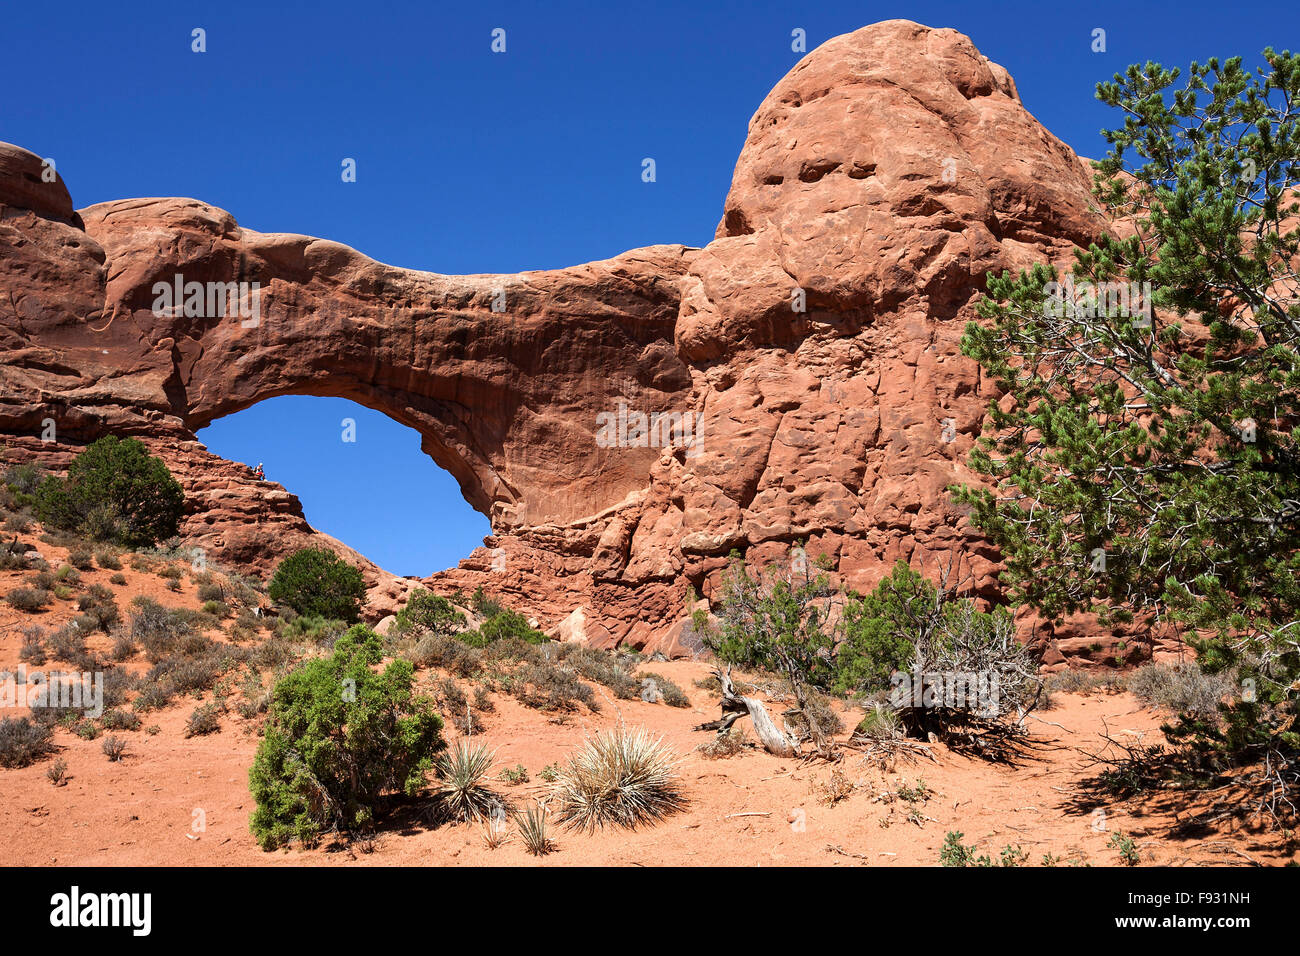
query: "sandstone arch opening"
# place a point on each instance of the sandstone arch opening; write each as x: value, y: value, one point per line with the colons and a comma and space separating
x: 361, y: 477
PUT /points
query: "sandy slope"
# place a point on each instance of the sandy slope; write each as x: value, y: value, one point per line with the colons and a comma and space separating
x: 752, y: 809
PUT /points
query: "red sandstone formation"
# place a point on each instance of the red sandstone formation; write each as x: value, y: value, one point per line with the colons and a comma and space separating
x: 881, y: 179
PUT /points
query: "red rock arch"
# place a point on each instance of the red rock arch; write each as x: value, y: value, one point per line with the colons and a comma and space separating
x: 882, y: 177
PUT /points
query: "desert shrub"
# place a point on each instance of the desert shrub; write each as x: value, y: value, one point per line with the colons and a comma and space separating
x: 114, y: 490
x: 723, y: 745
x: 211, y: 591
x: 43, y: 580
x: 437, y: 650
x: 245, y: 626
x: 116, y: 719
x: 550, y: 688
x: 27, y: 599
x: 33, y: 650
x: 602, y: 667
x: 620, y: 777
x: 189, y: 675
x: 340, y: 737
x: 516, y: 775
x: 837, y: 786
x: 1075, y: 680
x: 67, y: 643
x: 195, y: 643
x: 153, y: 697
x: 13, y: 555
x: 954, y: 852
x: 114, y: 747
x: 918, y: 792
x: 99, y: 608
x: 484, y: 605
x: 316, y: 581
x: 514, y: 650
x: 273, y: 652
x: 1181, y: 688
x: 109, y: 561
x: 124, y: 646
x: 24, y: 741
x: 926, y: 634
x: 87, y: 730
x: 507, y: 624
x: 455, y: 704
x: 252, y: 707
x: 51, y: 714
x: 669, y: 692
x: 451, y: 697
x: 256, y: 699
x: 461, y: 793
x: 483, y: 700
x: 23, y: 479
x: 880, y: 722
x: 81, y: 559
x: 204, y: 720
x: 1126, y: 847
x: 118, y: 683
x: 186, y: 674
x: 216, y: 609
x: 57, y: 773
x: 19, y: 523
x: 171, y: 572
x: 713, y: 685
x: 314, y: 629
x: 430, y: 613
x: 816, y: 719
x: 158, y: 630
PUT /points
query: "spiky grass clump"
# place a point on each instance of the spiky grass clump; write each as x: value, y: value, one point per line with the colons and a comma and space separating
x: 495, y: 832
x: 880, y: 723
x: 461, y: 793
x: 532, y: 828
x: 621, y: 777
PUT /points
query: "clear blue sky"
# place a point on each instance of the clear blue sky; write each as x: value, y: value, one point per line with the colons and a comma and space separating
x: 470, y: 161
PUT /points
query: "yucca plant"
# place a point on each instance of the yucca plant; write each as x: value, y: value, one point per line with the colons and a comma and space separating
x: 495, y: 831
x: 532, y: 828
x: 621, y: 777
x: 461, y: 793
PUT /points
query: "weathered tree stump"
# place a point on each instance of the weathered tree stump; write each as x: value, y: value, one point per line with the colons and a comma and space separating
x: 780, y: 742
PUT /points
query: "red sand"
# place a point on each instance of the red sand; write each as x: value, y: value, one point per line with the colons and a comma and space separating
x: 752, y: 809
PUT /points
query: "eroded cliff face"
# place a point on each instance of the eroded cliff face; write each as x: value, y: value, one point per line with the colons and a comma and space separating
x: 808, y: 356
